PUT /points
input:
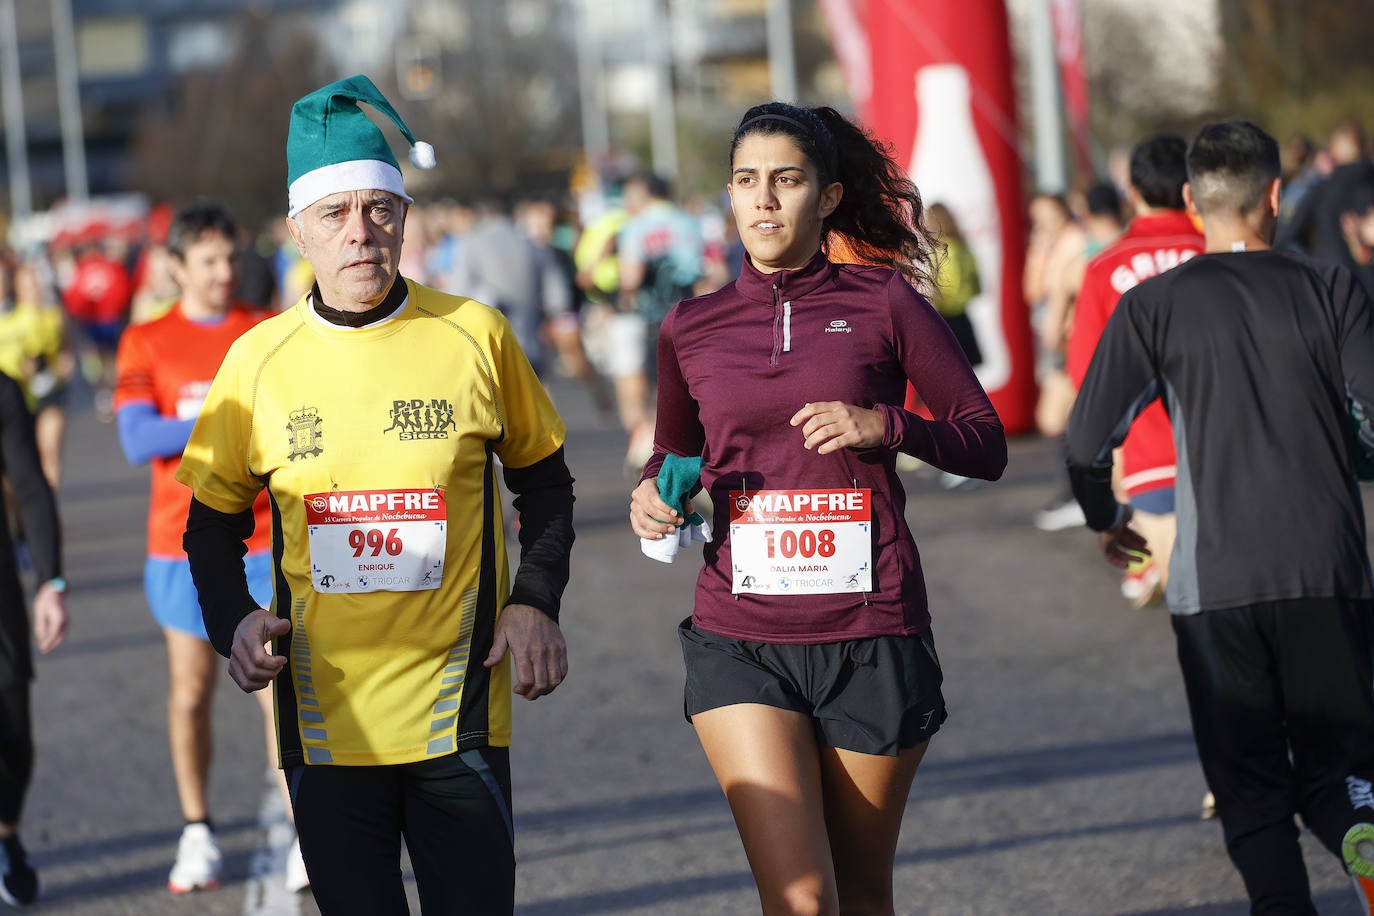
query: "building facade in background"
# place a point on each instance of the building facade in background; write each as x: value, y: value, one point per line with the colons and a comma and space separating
x: 519, y: 90
x: 462, y: 63
x: 130, y: 55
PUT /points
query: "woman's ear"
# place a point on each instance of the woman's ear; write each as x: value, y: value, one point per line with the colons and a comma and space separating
x: 831, y: 195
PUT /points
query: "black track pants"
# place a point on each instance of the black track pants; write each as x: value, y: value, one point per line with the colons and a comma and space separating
x: 454, y: 813
x: 1282, y: 702
x: 16, y: 750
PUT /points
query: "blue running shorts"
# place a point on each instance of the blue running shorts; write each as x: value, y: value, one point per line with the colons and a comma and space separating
x: 172, y: 594
x: 1159, y: 501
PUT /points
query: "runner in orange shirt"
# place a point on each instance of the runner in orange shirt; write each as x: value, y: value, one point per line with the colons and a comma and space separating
x: 164, y: 370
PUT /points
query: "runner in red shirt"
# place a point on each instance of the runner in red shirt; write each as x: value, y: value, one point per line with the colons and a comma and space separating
x: 1161, y: 236
x: 97, y: 298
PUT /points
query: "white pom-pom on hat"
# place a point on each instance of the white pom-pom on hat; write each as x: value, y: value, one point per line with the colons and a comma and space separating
x: 422, y: 155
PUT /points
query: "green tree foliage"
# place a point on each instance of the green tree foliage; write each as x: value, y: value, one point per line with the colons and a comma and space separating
x: 1297, y: 66
x: 224, y: 136
x: 504, y: 115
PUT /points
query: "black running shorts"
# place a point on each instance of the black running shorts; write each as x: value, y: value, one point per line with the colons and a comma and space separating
x: 878, y: 695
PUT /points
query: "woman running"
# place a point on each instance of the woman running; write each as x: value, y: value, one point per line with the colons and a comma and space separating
x: 812, y: 679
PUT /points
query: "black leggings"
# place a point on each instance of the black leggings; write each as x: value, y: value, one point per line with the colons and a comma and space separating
x: 16, y: 750
x: 454, y: 813
x: 1283, y: 714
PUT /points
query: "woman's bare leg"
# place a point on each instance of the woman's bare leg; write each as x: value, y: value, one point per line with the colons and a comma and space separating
x: 865, y: 797
x: 767, y: 762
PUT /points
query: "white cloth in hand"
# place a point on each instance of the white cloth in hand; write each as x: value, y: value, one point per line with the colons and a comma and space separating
x: 664, y: 549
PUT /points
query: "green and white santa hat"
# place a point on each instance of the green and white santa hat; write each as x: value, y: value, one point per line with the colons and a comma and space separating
x: 332, y: 146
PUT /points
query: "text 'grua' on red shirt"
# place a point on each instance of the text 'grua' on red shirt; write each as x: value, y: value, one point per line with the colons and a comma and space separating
x: 735, y: 365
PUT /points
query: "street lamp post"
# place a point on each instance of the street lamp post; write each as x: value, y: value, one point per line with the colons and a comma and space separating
x: 782, y: 57
x: 12, y: 98
x: 663, y: 114
x: 591, y: 81
x: 69, y: 102
x: 1047, y: 109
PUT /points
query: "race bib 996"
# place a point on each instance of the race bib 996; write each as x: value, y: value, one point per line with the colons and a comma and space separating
x: 376, y: 540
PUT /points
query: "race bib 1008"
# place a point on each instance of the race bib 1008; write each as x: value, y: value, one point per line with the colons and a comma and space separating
x: 376, y: 540
x: 801, y: 542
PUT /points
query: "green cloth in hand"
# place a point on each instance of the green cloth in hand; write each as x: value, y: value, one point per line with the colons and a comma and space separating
x: 677, y: 480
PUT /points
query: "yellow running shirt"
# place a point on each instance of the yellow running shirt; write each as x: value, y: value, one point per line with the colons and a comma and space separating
x: 377, y: 446
x: 18, y: 329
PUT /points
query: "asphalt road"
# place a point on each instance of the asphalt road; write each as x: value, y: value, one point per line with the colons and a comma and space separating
x: 1064, y: 782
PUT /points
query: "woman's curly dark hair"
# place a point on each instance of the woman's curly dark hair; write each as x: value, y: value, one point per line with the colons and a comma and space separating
x: 881, y: 213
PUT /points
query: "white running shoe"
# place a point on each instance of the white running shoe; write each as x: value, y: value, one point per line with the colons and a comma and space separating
x: 198, y: 861
x: 1067, y: 514
x: 296, y: 878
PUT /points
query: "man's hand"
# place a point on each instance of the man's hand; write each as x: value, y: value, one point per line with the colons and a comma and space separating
x: 538, y: 654
x: 251, y: 663
x: 1121, y: 543
x: 650, y: 516
x: 49, y: 618
x: 829, y: 426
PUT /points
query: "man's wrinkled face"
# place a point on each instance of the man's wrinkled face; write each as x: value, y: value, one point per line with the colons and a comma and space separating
x: 353, y: 241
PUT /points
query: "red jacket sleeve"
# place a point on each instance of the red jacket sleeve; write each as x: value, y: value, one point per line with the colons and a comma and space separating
x: 1094, y: 306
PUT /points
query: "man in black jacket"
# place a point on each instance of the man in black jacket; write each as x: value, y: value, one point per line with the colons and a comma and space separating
x: 1265, y: 360
x: 38, y: 510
